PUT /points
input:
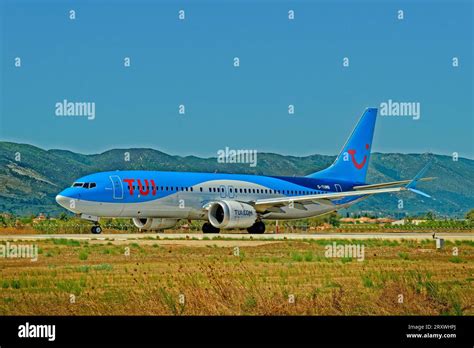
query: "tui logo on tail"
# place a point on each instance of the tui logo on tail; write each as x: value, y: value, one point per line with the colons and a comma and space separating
x: 356, y: 150
x: 358, y: 165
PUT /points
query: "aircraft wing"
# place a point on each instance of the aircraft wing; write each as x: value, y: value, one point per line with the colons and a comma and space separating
x: 270, y: 204
x: 324, y: 198
x: 388, y: 184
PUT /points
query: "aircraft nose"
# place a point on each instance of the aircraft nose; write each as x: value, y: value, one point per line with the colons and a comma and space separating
x: 63, y: 201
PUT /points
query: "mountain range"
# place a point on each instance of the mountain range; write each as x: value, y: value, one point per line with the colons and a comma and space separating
x: 30, y: 177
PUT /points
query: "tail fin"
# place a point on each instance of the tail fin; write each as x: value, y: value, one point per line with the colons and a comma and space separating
x: 352, y: 162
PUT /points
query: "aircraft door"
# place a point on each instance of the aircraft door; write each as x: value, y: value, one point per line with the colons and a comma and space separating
x: 117, y: 186
x: 223, y: 191
x: 231, y: 191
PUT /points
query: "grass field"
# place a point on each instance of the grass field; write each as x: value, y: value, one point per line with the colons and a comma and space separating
x: 148, y: 277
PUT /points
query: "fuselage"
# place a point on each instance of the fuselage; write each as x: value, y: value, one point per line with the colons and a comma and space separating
x: 182, y: 195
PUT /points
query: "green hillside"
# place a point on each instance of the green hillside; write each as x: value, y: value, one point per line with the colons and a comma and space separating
x: 28, y: 186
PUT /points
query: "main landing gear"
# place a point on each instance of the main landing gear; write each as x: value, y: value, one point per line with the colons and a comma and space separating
x: 257, y: 228
x: 208, y: 228
x: 96, y: 229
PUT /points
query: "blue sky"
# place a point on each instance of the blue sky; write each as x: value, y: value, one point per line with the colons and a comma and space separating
x: 282, y: 62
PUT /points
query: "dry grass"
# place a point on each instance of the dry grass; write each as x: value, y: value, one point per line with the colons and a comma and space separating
x: 258, y: 282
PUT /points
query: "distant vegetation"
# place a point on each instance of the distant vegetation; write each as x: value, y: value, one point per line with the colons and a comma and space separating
x: 65, y: 223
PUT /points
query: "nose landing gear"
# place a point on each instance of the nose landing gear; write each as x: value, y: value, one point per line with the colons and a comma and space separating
x: 96, y: 229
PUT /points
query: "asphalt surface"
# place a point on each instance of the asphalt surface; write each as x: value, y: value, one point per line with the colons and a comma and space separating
x: 243, y: 236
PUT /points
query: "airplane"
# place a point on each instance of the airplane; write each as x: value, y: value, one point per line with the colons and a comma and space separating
x: 156, y: 200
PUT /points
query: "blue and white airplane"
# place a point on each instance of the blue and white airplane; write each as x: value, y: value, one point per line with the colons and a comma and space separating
x: 158, y: 200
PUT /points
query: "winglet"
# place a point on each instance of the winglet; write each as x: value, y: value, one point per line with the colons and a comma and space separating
x: 412, y: 184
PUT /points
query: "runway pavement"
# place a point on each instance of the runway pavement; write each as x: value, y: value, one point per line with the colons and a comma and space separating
x: 228, y: 236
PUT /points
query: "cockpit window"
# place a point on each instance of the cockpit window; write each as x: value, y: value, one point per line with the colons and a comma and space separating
x: 86, y: 185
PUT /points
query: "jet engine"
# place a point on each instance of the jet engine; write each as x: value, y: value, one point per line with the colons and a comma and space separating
x: 154, y: 224
x: 231, y: 214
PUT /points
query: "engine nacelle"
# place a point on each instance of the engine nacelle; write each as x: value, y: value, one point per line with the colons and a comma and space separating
x: 231, y: 214
x: 154, y: 223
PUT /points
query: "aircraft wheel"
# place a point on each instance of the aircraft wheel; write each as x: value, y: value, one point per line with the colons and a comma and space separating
x: 96, y: 229
x: 257, y: 228
x: 208, y: 228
